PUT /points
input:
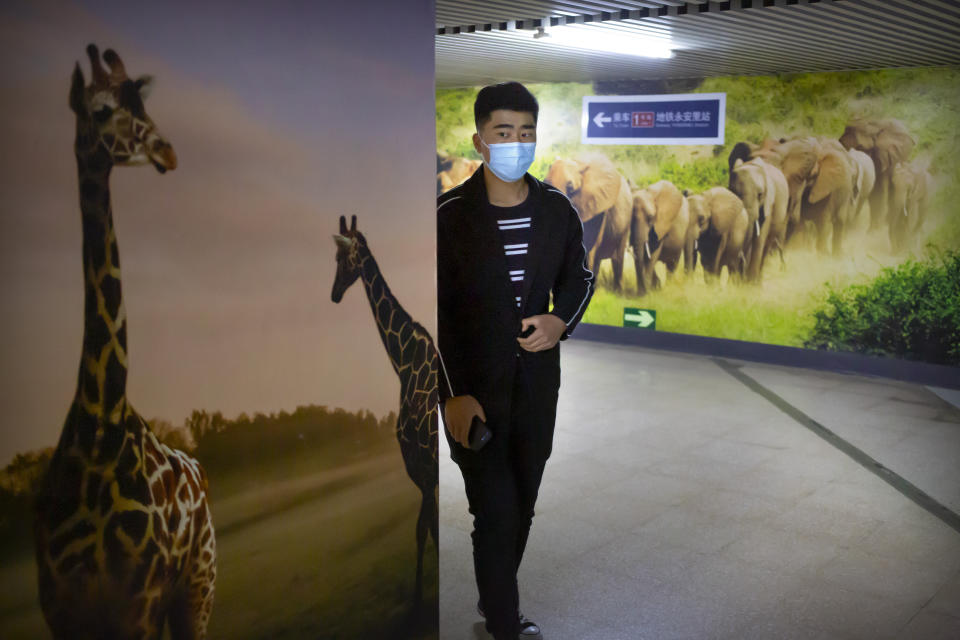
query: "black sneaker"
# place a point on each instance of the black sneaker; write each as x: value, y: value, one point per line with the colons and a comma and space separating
x: 528, y: 627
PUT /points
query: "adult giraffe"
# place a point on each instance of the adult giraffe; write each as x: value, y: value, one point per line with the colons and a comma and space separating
x: 414, y: 359
x: 124, y: 537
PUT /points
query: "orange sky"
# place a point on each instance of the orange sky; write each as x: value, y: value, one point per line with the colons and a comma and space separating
x: 228, y: 261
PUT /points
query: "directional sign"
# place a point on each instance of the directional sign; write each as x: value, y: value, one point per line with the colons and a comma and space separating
x: 684, y: 118
x: 640, y: 318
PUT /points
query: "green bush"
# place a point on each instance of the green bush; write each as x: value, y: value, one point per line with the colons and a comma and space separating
x: 912, y: 311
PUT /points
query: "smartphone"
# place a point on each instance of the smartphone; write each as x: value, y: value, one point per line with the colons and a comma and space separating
x: 480, y: 434
x: 529, y: 331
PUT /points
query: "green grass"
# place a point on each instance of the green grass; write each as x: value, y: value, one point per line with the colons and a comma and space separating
x: 777, y: 311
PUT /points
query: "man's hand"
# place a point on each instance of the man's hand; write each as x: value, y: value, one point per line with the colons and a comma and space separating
x: 458, y: 415
x: 547, y: 331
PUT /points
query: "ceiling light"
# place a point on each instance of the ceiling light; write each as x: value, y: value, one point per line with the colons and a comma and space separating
x: 607, y: 40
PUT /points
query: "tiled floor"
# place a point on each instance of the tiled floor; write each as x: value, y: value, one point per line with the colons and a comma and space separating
x: 679, y: 503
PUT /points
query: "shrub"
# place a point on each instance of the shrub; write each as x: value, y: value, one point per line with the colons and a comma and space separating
x: 911, y: 311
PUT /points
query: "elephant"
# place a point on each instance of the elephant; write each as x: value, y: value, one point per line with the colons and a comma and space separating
x: 453, y: 171
x: 444, y: 162
x: 822, y: 181
x: 722, y: 226
x: 595, y: 188
x: 888, y: 143
x: 566, y: 175
x: 695, y: 226
x: 828, y: 201
x: 747, y: 151
x: 910, y: 194
x: 864, y: 179
x: 658, y: 231
x: 796, y: 159
x: 763, y: 190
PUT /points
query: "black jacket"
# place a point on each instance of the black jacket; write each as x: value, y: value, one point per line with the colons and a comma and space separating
x: 478, y: 320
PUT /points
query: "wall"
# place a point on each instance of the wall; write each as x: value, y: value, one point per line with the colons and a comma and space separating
x: 284, y: 116
x: 891, y: 294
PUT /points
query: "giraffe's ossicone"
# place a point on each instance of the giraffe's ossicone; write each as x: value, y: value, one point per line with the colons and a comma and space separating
x: 123, y: 530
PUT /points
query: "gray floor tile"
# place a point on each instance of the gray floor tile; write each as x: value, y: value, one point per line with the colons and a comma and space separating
x: 648, y: 486
x: 663, y: 517
x: 932, y: 543
x: 693, y: 529
x: 555, y: 538
x: 783, y: 551
x: 646, y: 558
x: 738, y: 506
x: 813, y: 519
x: 615, y: 512
x: 844, y: 613
x: 947, y: 599
x: 888, y: 577
x: 930, y: 625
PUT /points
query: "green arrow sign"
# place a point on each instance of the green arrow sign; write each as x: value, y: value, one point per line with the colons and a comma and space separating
x: 640, y: 318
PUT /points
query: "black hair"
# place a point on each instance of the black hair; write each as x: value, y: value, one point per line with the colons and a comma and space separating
x: 506, y: 95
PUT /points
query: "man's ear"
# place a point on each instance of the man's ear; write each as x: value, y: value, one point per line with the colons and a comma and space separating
x: 477, y: 145
x: 77, y: 84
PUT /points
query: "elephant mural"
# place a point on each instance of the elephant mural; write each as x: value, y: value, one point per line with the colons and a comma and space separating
x: 864, y: 179
x: 828, y: 201
x: 658, y: 231
x: 822, y: 181
x: 452, y: 171
x: 888, y: 143
x: 797, y: 159
x: 597, y: 188
x: 691, y: 242
x: 909, y: 197
x: 747, y: 151
x: 566, y: 175
x: 763, y: 190
x: 722, y: 228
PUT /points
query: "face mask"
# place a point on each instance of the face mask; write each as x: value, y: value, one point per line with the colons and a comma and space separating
x: 510, y: 160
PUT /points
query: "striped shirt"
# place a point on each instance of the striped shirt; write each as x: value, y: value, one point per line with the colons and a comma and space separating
x: 514, y: 224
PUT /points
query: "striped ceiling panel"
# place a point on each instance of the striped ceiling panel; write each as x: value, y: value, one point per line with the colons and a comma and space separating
x: 478, y: 42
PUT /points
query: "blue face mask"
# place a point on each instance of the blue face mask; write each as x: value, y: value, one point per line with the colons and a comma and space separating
x: 510, y: 160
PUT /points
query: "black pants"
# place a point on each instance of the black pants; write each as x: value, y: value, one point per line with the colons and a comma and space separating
x: 502, y: 481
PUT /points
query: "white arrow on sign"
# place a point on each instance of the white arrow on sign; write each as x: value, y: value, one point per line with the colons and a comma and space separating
x: 643, y: 318
x: 599, y: 119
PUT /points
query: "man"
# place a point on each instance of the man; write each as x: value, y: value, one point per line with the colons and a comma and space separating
x: 505, y: 243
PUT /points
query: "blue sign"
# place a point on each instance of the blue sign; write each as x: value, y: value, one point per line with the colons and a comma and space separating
x: 688, y: 118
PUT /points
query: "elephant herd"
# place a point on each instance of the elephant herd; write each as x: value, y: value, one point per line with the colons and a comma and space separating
x: 776, y: 189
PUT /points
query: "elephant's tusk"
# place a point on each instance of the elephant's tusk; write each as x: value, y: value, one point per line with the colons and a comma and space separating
x: 904, y: 212
x: 646, y: 247
x: 757, y: 223
x: 696, y: 245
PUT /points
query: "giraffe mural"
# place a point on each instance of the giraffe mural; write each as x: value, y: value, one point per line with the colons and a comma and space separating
x: 123, y: 532
x: 414, y: 359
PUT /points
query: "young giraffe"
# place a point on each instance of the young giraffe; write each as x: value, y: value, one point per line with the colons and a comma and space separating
x: 124, y: 537
x: 414, y: 359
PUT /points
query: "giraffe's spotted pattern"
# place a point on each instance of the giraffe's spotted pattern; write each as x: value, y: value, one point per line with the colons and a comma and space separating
x: 124, y: 535
x: 414, y: 358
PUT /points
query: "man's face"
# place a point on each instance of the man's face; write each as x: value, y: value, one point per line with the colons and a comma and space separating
x: 505, y: 125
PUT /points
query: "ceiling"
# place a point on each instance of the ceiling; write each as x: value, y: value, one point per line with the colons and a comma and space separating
x: 482, y: 42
